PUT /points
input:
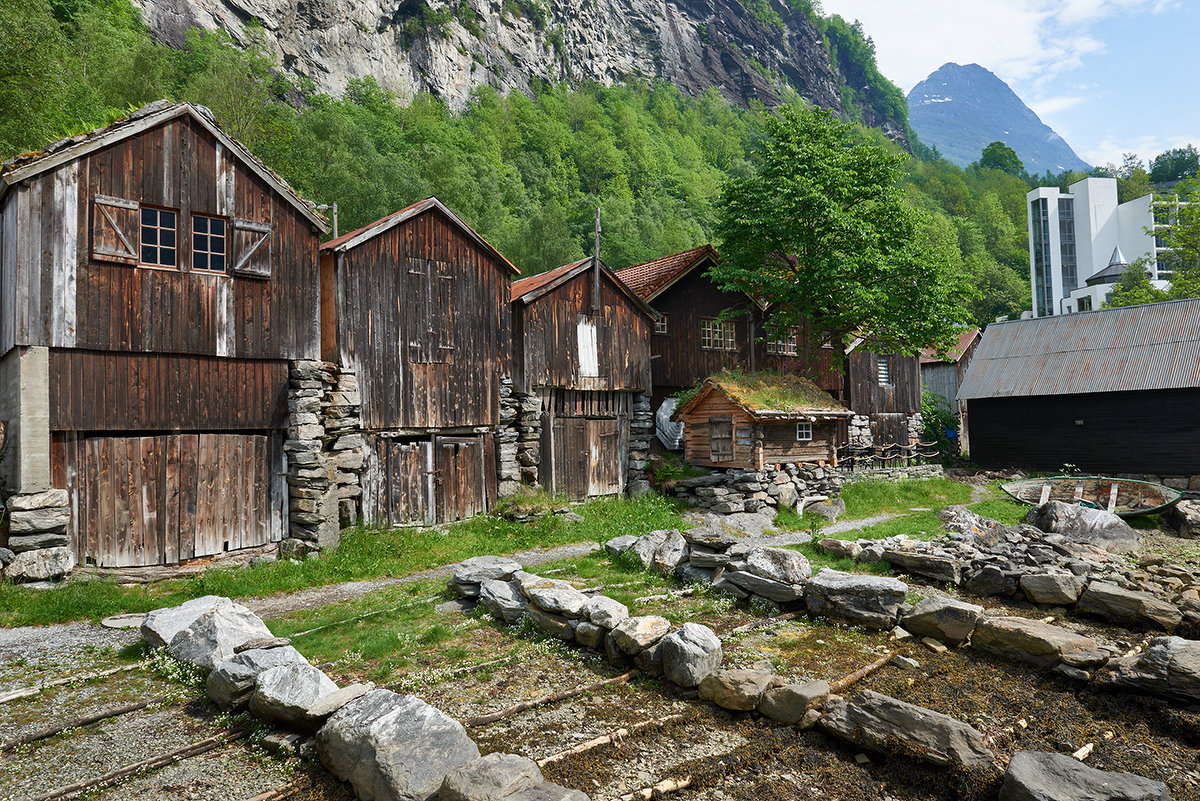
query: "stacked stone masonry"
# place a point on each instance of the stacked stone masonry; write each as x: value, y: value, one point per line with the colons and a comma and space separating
x: 39, y: 546
x: 733, y: 491
x: 641, y: 429
x: 325, y: 456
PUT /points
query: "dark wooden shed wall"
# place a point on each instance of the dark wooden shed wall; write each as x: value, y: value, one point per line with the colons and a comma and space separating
x: 1122, y: 432
x: 868, y: 397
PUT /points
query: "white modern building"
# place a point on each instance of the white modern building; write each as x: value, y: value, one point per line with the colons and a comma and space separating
x: 1082, y: 240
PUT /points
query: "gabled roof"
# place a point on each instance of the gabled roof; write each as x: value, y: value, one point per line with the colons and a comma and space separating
x: 1154, y: 346
x: 769, y: 396
x: 956, y: 353
x: 355, y: 238
x: 26, y: 165
x: 650, y: 279
x: 527, y: 290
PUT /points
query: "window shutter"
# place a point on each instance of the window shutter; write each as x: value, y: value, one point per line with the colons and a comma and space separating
x: 250, y: 249
x: 115, y: 230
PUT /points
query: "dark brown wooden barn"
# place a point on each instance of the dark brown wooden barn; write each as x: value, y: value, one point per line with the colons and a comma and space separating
x: 417, y: 305
x: 587, y: 356
x: 157, y: 280
x: 749, y: 421
x: 1109, y: 391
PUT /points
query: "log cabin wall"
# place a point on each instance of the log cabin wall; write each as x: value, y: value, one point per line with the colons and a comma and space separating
x: 423, y: 318
x: 780, y: 444
x: 717, y: 418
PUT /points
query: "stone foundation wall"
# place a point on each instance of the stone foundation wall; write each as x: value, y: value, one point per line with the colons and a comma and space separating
x: 518, y: 439
x: 892, y: 473
x: 325, y: 456
x: 730, y: 491
x: 641, y: 429
x: 860, y: 431
x: 39, y: 547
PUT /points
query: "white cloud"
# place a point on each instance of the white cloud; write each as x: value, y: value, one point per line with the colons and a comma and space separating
x: 1052, y: 105
x: 1110, y: 151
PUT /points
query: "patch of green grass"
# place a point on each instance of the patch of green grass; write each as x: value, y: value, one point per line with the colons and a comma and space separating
x: 869, y: 498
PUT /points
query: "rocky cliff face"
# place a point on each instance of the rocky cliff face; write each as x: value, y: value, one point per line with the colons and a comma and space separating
x: 451, y: 47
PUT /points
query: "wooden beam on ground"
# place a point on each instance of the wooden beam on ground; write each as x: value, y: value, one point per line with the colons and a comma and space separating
x: 658, y: 790
x: 492, y: 717
x: 841, y: 684
x: 25, y: 692
x: 606, y: 739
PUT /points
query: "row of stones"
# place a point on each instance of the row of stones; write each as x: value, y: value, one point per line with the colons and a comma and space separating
x: 733, y: 491
x: 691, y: 657
x: 38, y: 543
x: 325, y: 455
x: 1169, y: 667
x: 385, y: 744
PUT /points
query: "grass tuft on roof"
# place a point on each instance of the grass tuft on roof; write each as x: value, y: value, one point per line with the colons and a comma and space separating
x: 766, y: 390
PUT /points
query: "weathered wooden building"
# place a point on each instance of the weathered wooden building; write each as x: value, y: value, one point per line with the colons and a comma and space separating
x: 942, y: 376
x: 157, y: 281
x: 582, y: 345
x: 1109, y: 391
x: 884, y: 392
x: 417, y: 305
x: 753, y: 420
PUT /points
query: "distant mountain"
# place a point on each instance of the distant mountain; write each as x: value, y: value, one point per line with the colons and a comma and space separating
x: 962, y: 109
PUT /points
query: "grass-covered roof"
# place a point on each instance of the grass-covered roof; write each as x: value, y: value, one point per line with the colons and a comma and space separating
x: 766, y: 394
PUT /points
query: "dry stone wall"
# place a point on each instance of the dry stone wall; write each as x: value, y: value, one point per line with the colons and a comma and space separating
x: 39, y: 547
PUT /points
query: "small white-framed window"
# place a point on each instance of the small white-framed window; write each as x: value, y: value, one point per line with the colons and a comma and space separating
x: 209, y: 246
x: 660, y: 325
x: 717, y: 335
x: 885, y: 370
x: 785, y: 346
x: 159, y: 245
x: 804, y: 431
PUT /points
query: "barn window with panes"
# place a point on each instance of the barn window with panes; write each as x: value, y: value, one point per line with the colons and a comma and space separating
x: 660, y: 325
x: 717, y: 335
x: 785, y: 346
x: 208, y: 243
x: 159, y: 247
x: 885, y: 370
x: 804, y: 431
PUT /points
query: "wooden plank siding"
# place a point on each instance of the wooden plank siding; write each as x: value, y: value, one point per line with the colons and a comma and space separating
x: 435, y: 479
x: 384, y: 313
x: 719, y: 433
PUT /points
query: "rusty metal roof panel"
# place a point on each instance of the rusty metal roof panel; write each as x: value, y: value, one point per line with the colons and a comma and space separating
x: 1155, y: 346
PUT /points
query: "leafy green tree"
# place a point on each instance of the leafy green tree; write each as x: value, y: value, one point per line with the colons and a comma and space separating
x: 34, y: 74
x: 1182, y: 241
x: 1174, y: 164
x: 1134, y: 288
x: 999, y: 156
x: 820, y: 231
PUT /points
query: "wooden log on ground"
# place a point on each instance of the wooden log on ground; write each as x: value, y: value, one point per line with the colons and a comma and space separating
x: 25, y: 692
x: 86, y: 720
x: 658, y: 790
x: 279, y: 793
x: 492, y: 717
x: 606, y: 739
x: 194, y: 749
x: 841, y: 684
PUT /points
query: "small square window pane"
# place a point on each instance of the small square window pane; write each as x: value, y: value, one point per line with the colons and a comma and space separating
x: 217, y: 262
x: 216, y: 227
x: 149, y: 236
x: 200, y: 242
x: 166, y: 238
x: 198, y: 260
x: 149, y: 216
x: 167, y: 256
x: 150, y: 255
x: 200, y: 224
x: 166, y: 219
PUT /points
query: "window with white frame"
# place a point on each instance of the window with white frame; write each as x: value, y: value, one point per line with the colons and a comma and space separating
x: 717, y: 335
x: 785, y: 346
x: 208, y: 243
x: 804, y: 431
x: 660, y: 325
x: 885, y: 370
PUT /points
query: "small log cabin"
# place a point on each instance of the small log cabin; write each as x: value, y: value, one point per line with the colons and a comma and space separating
x: 737, y: 421
x: 587, y: 356
x: 417, y: 304
x: 704, y: 329
x: 158, y: 279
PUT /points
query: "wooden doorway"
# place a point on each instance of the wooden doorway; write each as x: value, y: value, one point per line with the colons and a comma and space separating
x: 588, y: 456
x: 429, y: 480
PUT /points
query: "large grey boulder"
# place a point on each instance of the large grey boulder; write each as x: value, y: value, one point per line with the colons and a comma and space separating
x: 931, y: 566
x: 670, y: 554
x: 470, y: 573
x: 767, y: 588
x: 690, y: 653
x: 647, y: 545
x: 495, y: 777
x: 619, y: 545
x: 1169, y: 668
x: 788, y: 703
x: 1185, y: 517
x: 393, y: 747
x: 776, y: 564
x: 991, y: 580
x: 713, y: 538
x: 1052, y: 588
x: 1036, y: 642
x: 870, y: 601
x: 46, y: 564
x: 1128, y: 606
x: 875, y: 721
x: 211, y: 638
x: 160, y: 626
x: 604, y: 611
x: 286, y: 693
x: 502, y: 599
x: 739, y: 690
x: 1046, y: 776
x: 945, y: 619
x: 634, y: 634
x: 1085, y: 525
x: 555, y: 597
x: 231, y: 683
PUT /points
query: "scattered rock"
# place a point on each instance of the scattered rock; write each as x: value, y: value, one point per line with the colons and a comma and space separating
x: 690, y: 653
x: 739, y: 690
x: 647, y: 545
x: 1046, y: 776
x: 1036, y: 642
x: 286, y: 693
x: 1128, y: 606
x: 502, y: 599
x: 161, y: 625
x: 44, y: 565
x: 394, y: 747
x: 876, y: 721
x: 841, y: 549
x: 905, y: 663
x: 210, y: 639
x: 930, y: 566
x: 231, y: 683
x: 638, y: 633
x: 1185, y: 517
x: 263, y: 644
x: 776, y: 564
x: 944, y: 619
x: 619, y: 545
x: 670, y: 554
x: 1085, y: 525
x: 1169, y: 668
x: 767, y: 588
x: 991, y: 580
x: 789, y: 703
x: 494, y: 777
x: 934, y: 645
x: 870, y: 601
x: 1052, y: 588
x: 830, y: 510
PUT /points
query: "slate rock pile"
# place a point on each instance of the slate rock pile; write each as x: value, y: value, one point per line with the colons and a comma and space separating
x: 733, y: 491
x: 386, y: 745
x: 518, y: 438
x: 38, y: 544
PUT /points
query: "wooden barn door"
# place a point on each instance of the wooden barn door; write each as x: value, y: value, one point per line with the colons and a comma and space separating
x: 461, y: 469
x: 587, y: 456
x: 160, y: 499
x: 889, y: 429
x: 407, y: 482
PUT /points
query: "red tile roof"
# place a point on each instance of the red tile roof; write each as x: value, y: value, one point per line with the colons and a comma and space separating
x: 524, y: 286
x: 648, y: 277
x: 955, y: 353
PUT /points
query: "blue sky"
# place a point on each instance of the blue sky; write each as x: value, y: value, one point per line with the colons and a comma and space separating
x: 1110, y: 76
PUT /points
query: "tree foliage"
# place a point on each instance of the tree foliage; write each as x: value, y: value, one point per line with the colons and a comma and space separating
x: 1134, y: 288
x: 1175, y: 164
x: 999, y: 156
x: 821, y: 232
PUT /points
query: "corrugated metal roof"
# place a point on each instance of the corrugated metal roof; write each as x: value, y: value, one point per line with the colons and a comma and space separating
x: 1155, y: 346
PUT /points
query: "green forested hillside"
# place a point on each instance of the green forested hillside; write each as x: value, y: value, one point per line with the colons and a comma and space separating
x: 526, y: 172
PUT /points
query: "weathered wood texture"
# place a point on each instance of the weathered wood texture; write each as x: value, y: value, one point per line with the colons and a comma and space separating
x: 62, y: 291
x: 430, y: 480
x: 780, y: 445
x: 162, y: 499
x: 561, y: 342
x: 1120, y: 432
x: 941, y: 378
x: 719, y: 433
x: 584, y: 457
x: 98, y: 391
x: 423, y: 316
x: 902, y: 393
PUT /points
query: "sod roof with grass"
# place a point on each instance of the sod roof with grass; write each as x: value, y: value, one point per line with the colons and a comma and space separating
x: 767, y: 395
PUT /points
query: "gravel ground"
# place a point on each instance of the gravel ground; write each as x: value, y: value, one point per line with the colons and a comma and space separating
x: 34, y: 653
